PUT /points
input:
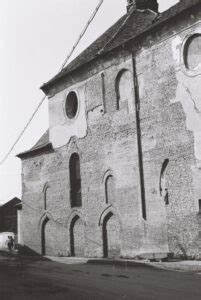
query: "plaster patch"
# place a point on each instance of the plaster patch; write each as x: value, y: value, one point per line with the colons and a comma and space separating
x: 176, y: 43
x: 95, y: 113
x: 188, y: 93
x: 61, y: 127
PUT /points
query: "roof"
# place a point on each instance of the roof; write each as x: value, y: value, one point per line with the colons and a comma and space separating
x: 12, y: 203
x: 128, y: 27
x: 42, y: 145
x: 43, y: 141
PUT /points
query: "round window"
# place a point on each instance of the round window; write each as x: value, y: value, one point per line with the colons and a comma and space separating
x: 71, y: 105
x: 192, y: 53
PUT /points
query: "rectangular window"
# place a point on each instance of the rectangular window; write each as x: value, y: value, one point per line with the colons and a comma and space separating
x: 199, y: 203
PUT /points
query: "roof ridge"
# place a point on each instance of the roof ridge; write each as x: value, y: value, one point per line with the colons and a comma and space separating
x: 118, y: 30
x: 112, y: 38
x: 92, y: 43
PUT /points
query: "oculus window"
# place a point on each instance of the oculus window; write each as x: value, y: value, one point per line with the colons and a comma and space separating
x: 192, y: 53
x: 71, y: 106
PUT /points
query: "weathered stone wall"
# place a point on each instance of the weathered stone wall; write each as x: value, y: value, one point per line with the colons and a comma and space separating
x: 170, y: 129
x: 110, y: 146
x: 106, y: 141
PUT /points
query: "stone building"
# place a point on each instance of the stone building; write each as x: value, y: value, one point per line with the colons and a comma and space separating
x: 118, y: 173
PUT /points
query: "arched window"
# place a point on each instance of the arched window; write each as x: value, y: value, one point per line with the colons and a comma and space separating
x: 77, y: 241
x: 75, y: 181
x: 109, y: 189
x: 163, y: 183
x: 124, y: 91
x: 45, y: 195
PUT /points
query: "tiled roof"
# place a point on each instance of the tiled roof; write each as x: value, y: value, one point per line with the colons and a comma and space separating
x: 128, y: 27
x: 11, y: 203
x: 42, y: 144
x: 43, y: 141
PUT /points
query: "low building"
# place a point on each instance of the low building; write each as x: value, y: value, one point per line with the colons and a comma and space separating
x: 8, y: 216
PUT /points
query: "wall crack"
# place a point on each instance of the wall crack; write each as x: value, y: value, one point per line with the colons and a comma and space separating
x: 192, y: 99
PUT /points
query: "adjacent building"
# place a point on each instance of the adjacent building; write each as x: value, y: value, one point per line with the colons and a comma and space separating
x: 8, y: 216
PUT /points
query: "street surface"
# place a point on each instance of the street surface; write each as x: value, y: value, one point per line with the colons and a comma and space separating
x: 34, y: 279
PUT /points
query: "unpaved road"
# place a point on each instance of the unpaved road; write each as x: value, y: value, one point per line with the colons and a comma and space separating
x: 35, y: 279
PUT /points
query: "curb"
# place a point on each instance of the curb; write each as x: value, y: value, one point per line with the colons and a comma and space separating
x: 165, y: 266
x: 121, y: 263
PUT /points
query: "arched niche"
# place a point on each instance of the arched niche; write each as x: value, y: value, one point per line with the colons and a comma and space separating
x: 124, y: 91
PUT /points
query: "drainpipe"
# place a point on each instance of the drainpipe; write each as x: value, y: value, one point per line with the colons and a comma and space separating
x: 139, y: 141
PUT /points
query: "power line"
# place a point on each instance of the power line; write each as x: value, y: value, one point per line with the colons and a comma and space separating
x: 24, y: 129
x: 63, y: 66
x: 115, y: 33
x: 82, y: 33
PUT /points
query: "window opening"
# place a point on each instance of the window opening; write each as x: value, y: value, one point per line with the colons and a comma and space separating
x: 75, y: 181
x: 71, y: 105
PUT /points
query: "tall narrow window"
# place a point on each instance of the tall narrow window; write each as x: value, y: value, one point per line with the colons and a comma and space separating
x: 46, y: 195
x: 109, y: 190
x: 103, y: 91
x: 75, y: 181
x: 199, y: 203
x: 45, y: 199
x: 163, y: 183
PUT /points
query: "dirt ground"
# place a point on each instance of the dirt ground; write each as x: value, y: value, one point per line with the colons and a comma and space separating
x: 29, y: 278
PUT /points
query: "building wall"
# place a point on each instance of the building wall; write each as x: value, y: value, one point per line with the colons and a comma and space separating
x: 8, y: 216
x: 105, y: 139
x: 170, y: 129
x: 109, y: 147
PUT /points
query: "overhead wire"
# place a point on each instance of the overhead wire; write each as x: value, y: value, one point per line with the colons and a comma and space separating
x: 101, y: 51
x: 23, y: 130
x: 63, y: 66
x: 82, y: 34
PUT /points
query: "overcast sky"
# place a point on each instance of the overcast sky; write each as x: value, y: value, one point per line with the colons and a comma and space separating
x: 35, y: 37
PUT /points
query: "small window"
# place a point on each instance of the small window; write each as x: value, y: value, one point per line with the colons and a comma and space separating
x: 46, y: 195
x: 192, y: 53
x: 103, y: 91
x: 199, y: 203
x: 45, y: 198
x: 163, y: 184
x: 71, y: 106
x: 109, y: 190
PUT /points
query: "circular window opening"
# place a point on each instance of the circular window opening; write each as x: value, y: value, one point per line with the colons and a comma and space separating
x: 71, y: 105
x: 192, y: 53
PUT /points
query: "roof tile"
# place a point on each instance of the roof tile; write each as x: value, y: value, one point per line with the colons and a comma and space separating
x: 128, y: 27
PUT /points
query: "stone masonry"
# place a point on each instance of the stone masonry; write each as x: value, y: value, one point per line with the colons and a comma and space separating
x: 137, y: 133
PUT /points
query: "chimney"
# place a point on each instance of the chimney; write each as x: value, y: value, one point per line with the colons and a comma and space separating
x: 142, y: 4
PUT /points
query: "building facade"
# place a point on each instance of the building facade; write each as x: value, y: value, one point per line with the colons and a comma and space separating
x: 118, y: 172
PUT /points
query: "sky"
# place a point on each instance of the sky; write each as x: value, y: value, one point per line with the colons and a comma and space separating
x: 35, y: 38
